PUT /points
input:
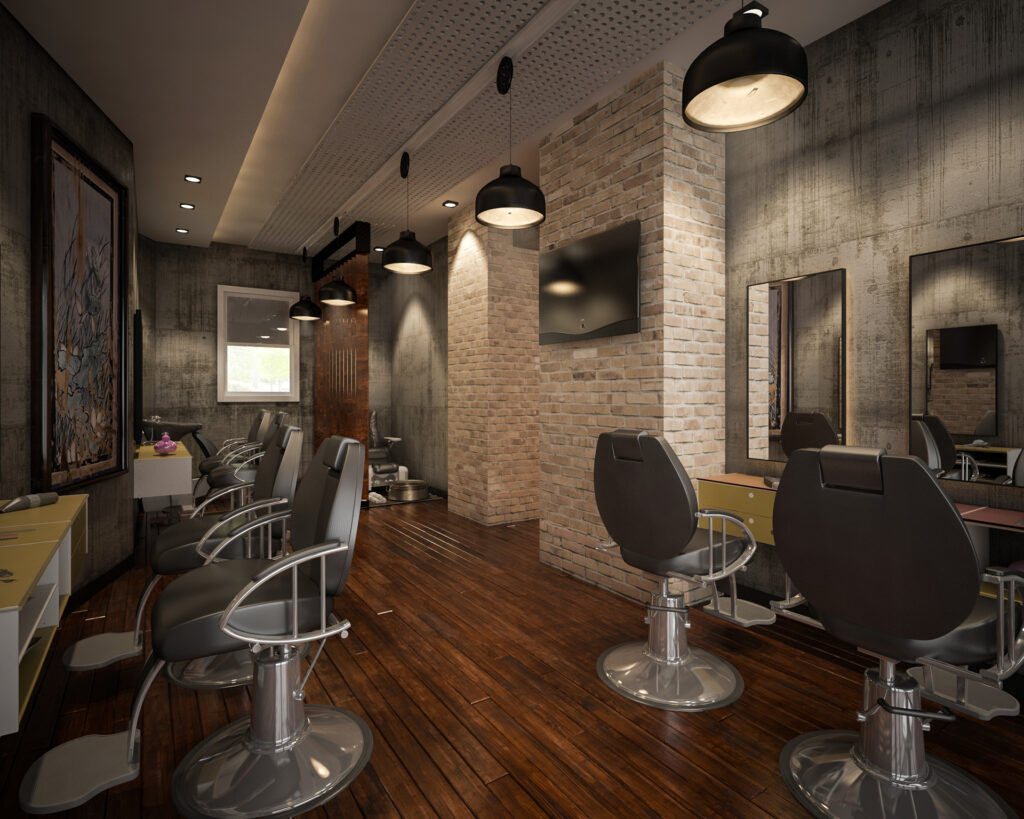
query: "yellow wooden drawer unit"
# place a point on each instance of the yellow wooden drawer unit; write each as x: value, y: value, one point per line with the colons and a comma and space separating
x: 735, y: 494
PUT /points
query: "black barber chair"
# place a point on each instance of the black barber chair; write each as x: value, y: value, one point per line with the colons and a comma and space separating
x: 257, y: 432
x: 179, y: 548
x: 649, y: 508
x: 241, y: 467
x: 804, y: 430
x: 886, y: 560
x: 287, y: 757
x: 383, y: 469
x: 931, y: 442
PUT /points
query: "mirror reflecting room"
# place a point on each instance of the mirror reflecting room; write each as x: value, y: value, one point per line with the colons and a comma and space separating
x: 795, y: 359
x: 967, y: 361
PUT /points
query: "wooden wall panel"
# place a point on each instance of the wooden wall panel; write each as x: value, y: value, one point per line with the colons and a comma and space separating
x: 342, y: 377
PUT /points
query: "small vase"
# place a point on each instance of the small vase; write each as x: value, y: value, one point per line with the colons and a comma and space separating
x: 165, y: 446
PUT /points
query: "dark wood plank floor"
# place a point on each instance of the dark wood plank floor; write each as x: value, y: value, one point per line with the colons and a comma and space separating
x: 474, y: 666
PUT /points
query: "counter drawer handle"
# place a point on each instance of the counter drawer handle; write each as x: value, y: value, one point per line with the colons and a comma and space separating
x: 750, y: 495
x: 750, y: 520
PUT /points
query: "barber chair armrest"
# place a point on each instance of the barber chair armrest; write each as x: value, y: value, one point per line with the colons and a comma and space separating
x: 251, y: 459
x: 328, y: 626
x: 390, y: 439
x: 608, y: 546
x: 229, y: 444
x: 997, y: 572
x: 241, y: 452
x: 240, y: 532
x: 241, y: 511
x: 1009, y: 632
x: 216, y: 494
x: 745, y: 555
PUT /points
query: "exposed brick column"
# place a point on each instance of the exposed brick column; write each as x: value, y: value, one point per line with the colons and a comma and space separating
x: 493, y: 466
x: 632, y: 157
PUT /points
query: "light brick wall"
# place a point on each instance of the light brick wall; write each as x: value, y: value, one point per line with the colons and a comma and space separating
x: 632, y: 157
x: 757, y: 371
x: 493, y: 468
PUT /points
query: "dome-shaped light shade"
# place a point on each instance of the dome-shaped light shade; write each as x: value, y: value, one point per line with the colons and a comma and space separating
x: 510, y: 202
x: 337, y: 294
x: 406, y: 255
x: 305, y: 310
x: 751, y: 77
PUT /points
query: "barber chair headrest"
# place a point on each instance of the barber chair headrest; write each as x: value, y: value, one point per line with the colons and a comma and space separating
x: 852, y: 467
x: 872, y: 541
x: 644, y: 495
x: 806, y: 430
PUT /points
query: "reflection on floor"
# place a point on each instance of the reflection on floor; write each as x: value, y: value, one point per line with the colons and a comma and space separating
x: 474, y: 665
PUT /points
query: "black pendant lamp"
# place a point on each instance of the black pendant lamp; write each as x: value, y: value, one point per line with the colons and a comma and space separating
x: 568, y: 283
x: 751, y: 77
x: 405, y: 254
x: 305, y: 309
x: 509, y: 202
x: 337, y: 293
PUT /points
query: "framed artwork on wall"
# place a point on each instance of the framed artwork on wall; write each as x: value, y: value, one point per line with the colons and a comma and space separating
x: 78, y: 302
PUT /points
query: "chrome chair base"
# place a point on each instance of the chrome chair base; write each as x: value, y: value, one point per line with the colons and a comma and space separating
x: 73, y: 773
x: 823, y: 773
x: 697, y: 682
x: 227, y: 775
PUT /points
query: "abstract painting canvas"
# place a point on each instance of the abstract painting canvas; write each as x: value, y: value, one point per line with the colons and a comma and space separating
x: 79, y: 310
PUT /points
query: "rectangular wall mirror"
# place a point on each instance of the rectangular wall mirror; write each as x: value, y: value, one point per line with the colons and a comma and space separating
x: 795, y: 358
x: 967, y: 361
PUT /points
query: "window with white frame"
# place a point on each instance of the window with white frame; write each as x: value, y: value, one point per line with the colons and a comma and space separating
x: 257, y: 345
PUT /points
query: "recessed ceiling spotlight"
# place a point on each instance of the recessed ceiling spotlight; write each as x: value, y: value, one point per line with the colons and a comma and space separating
x: 282, y: 329
x: 450, y: 203
x: 181, y: 230
x: 264, y: 336
x: 186, y: 206
x: 378, y: 249
x: 190, y: 178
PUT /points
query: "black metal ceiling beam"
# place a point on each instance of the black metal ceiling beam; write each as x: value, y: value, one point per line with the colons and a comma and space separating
x: 360, y: 231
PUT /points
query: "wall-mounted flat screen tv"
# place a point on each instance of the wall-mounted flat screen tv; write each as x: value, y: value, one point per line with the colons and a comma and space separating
x: 968, y: 347
x: 591, y: 288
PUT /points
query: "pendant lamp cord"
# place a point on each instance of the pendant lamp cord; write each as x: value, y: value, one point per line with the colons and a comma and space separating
x: 510, y: 125
x: 407, y: 202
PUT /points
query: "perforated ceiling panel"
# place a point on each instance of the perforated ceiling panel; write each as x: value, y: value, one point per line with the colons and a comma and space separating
x: 591, y: 45
x: 432, y: 54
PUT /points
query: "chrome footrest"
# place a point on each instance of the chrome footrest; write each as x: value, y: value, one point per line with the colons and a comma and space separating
x: 741, y: 612
x: 219, y: 671
x: 101, y: 650
x: 979, y: 699
x: 73, y: 773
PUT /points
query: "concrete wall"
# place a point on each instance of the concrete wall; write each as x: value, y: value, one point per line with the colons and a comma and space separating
x: 178, y: 293
x: 631, y: 157
x: 30, y: 81
x: 409, y: 364
x: 959, y: 288
x: 817, y: 326
x: 909, y: 142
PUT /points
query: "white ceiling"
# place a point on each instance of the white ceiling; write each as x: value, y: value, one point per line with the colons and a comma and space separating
x: 294, y: 112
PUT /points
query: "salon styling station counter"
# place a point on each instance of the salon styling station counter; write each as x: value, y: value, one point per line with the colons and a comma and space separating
x: 41, y: 553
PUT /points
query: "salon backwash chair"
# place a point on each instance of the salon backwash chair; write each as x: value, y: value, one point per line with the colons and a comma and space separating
x: 886, y: 560
x: 649, y: 508
x: 178, y: 548
x: 287, y: 757
x: 803, y: 430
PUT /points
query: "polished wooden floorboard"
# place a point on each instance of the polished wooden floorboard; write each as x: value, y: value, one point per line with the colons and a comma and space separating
x: 475, y: 667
